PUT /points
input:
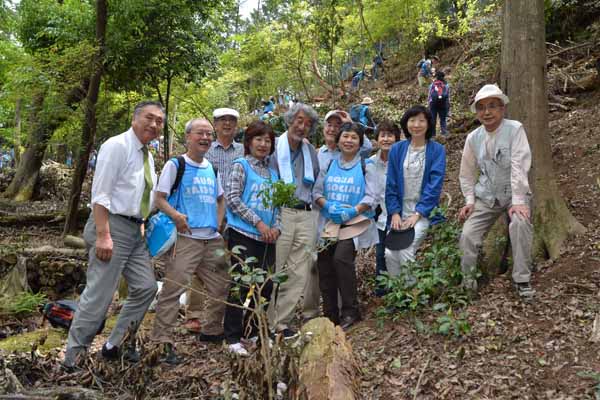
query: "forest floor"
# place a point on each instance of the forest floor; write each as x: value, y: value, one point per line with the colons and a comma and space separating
x: 515, y: 350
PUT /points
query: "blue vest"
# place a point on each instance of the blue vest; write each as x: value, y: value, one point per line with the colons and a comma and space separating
x: 346, y: 186
x: 196, y: 196
x: 254, y: 184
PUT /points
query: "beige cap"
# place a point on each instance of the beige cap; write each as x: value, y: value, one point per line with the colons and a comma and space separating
x: 367, y: 100
x: 341, y: 114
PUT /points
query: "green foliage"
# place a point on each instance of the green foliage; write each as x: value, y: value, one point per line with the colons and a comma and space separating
x: 431, y: 284
x: 24, y: 304
x: 278, y: 194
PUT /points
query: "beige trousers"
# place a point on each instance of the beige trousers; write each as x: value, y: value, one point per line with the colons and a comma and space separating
x: 294, y: 252
x: 203, y: 259
x: 479, y: 223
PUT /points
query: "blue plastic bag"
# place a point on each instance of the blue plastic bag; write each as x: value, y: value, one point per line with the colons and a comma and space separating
x: 161, y: 234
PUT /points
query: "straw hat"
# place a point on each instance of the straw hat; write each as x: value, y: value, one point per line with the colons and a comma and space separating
x: 488, y: 91
x: 350, y: 229
x: 367, y: 100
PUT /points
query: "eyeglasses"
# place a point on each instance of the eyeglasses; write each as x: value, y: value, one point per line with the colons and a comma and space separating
x: 491, y: 107
x: 204, y: 133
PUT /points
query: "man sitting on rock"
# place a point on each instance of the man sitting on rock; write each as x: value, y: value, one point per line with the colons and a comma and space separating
x: 493, y: 178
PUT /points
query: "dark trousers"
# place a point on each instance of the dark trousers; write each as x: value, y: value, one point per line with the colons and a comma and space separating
x: 239, y: 322
x: 337, y: 272
x: 442, y: 112
x: 380, y: 259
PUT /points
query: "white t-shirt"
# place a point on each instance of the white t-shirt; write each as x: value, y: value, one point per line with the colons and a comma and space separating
x: 166, y: 181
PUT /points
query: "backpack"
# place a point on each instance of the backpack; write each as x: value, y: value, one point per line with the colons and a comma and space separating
x: 60, y: 314
x: 420, y: 63
x: 180, y: 171
x: 358, y: 113
x: 438, y: 94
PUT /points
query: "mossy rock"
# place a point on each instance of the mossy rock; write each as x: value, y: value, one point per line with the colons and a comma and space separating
x: 24, y: 342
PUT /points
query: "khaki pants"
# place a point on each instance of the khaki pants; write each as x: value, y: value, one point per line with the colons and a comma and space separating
x: 479, y: 223
x: 202, y: 258
x: 294, y: 252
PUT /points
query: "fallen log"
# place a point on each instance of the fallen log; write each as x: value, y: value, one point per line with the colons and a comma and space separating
x: 66, y: 393
x: 10, y: 219
x: 328, y: 369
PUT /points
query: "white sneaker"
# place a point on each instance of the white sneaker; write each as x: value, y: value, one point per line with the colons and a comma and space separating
x: 238, y: 349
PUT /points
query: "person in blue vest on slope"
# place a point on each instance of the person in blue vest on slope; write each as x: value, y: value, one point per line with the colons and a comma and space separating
x: 346, y: 193
x: 197, y: 207
x: 251, y: 225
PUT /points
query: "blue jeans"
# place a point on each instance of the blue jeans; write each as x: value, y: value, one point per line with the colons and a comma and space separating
x: 442, y: 112
x: 380, y: 260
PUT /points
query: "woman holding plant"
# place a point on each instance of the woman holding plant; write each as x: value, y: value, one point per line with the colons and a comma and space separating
x: 346, y: 193
x: 251, y: 225
x: 416, y: 170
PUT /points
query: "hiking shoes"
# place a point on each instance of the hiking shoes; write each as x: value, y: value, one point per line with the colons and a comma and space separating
x: 524, y: 290
x: 130, y: 354
x: 192, y: 325
x: 203, y: 337
x: 169, y: 356
x: 288, y: 334
x: 238, y: 349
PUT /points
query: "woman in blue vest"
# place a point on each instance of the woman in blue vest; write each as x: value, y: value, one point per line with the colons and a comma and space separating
x: 251, y: 225
x: 416, y: 170
x: 347, y: 195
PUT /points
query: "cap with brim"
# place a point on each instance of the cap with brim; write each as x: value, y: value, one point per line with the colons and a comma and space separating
x: 222, y: 112
x: 399, y: 240
x: 348, y: 230
x: 342, y: 115
x: 486, y: 92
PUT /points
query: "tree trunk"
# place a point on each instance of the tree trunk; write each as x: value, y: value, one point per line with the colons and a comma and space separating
x: 23, y: 184
x: 523, y: 79
x: 17, y: 141
x: 88, y: 132
x: 166, y: 134
x: 327, y: 369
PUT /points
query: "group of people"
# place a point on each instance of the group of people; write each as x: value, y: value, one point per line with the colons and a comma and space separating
x: 344, y: 200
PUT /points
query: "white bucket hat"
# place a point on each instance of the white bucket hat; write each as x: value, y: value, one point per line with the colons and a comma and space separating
x: 489, y: 91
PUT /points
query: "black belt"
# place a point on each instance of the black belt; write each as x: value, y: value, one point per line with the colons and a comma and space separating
x: 138, y: 221
x: 302, y: 206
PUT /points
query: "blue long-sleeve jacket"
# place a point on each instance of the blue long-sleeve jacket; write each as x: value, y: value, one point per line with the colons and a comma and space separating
x: 433, y: 179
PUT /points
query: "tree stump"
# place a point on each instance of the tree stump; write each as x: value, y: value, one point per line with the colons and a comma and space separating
x: 328, y: 369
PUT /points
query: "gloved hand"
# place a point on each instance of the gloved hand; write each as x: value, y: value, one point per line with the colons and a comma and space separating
x: 330, y: 206
x: 335, y: 213
x: 347, y: 213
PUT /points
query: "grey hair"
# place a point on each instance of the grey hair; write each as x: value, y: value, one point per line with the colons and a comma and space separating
x: 290, y: 114
x: 190, y: 124
x: 143, y: 104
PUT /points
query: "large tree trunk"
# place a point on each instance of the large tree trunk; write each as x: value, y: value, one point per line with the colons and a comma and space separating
x: 523, y: 79
x: 88, y: 132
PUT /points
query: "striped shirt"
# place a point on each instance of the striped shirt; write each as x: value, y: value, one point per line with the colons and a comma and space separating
x: 235, y: 188
x: 221, y: 158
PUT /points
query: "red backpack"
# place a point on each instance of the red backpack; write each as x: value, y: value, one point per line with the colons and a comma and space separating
x: 438, y: 94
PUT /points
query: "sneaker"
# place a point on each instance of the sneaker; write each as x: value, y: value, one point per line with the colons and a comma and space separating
x: 469, y: 284
x: 288, y: 334
x: 203, y: 337
x: 238, y: 349
x: 348, y: 321
x: 169, y: 355
x: 524, y: 290
x: 193, y: 325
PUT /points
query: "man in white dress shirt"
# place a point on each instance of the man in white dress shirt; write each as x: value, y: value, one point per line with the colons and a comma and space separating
x: 121, y: 200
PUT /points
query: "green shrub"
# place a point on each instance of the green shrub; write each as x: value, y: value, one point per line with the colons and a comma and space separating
x: 430, y: 284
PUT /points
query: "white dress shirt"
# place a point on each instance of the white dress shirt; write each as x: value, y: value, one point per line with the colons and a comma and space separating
x: 118, y: 182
